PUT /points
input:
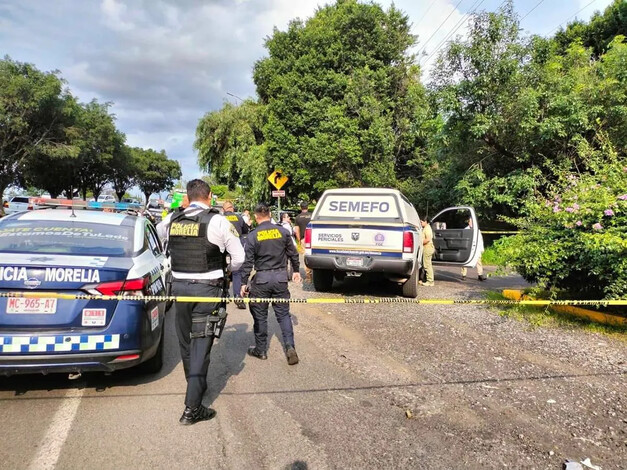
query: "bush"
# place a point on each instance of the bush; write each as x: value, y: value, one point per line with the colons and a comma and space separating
x: 576, y: 239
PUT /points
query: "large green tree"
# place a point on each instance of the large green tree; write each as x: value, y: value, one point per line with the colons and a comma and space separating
x: 231, y: 148
x: 155, y: 172
x: 341, y: 93
x: 35, y: 116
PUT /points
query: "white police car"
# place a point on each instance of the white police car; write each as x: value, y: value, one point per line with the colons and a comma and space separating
x: 79, y: 252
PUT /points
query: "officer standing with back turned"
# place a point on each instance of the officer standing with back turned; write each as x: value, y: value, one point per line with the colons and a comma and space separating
x: 267, y: 249
x: 198, y: 239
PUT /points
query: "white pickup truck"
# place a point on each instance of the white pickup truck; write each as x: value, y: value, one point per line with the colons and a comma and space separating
x: 377, y: 230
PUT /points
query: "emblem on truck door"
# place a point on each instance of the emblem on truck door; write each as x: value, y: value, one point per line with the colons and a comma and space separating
x: 355, y: 236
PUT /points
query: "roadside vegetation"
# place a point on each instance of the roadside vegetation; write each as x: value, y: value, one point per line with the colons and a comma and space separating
x: 546, y: 317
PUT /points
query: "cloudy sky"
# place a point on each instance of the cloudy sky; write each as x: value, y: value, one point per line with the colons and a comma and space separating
x: 165, y: 63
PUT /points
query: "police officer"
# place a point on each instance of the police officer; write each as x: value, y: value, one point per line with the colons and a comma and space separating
x: 198, y: 238
x: 242, y: 231
x: 267, y: 249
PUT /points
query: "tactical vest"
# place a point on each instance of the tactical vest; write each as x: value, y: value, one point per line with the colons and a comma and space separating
x: 187, y: 241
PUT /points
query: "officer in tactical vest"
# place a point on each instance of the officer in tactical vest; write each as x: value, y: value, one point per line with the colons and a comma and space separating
x: 242, y: 230
x: 198, y: 240
x: 267, y: 249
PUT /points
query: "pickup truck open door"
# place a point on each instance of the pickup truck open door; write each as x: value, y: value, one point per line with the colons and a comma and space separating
x: 456, y: 237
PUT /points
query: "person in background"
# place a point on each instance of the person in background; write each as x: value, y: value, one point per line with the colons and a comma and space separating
x: 300, y: 225
x: 247, y: 219
x: 286, y: 223
x: 428, y: 249
x: 480, y: 274
x: 242, y: 229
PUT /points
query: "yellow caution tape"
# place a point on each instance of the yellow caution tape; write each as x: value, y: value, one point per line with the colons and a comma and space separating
x: 338, y: 300
x: 499, y: 233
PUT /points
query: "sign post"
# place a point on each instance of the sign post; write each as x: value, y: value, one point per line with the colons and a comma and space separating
x: 278, y: 180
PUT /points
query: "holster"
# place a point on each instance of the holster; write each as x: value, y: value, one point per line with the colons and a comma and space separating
x: 214, y: 322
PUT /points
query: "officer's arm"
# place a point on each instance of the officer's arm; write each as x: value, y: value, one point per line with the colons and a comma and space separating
x: 232, y: 244
x: 163, y: 228
x: 245, y: 227
x: 249, y: 261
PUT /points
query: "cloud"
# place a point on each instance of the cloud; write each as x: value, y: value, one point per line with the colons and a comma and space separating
x: 165, y: 63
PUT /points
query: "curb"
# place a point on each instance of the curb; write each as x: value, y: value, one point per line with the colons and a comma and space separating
x: 592, y: 315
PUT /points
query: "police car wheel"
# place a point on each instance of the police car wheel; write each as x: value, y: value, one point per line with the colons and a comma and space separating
x: 322, y: 279
x: 155, y: 363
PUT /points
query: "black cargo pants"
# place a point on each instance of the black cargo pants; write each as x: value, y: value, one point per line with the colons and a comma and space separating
x: 271, y: 284
x: 195, y: 352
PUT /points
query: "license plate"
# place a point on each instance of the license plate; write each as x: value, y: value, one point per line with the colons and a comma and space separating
x: 354, y: 261
x: 40, y: 306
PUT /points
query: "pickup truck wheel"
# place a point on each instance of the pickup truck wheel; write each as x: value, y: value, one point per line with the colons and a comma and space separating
x: 322, y: 280
x: 410, y: 288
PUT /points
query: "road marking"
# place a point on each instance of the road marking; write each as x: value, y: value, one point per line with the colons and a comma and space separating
x: 56, y: 435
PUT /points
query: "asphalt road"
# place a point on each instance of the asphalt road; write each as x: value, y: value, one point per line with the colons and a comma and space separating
x: 378, y: 386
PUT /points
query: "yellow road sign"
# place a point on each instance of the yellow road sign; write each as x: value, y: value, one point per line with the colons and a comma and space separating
x: 277, y: 179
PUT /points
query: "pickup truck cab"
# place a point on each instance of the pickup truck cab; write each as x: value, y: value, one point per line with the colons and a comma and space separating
x: 377, y: 230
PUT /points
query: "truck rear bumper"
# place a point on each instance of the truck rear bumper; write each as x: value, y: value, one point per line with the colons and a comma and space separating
x: 370, y: 264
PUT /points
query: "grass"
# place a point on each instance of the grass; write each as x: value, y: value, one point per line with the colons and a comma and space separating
x: 545, y: 317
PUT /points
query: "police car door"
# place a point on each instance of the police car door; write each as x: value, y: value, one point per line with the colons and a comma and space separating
x: 456, y: 240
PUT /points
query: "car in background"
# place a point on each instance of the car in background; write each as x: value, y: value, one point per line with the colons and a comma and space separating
x: 106, y: 198
x: 155, y: 203
x: 131, y: 200
x: 19, y: 204
x: 80, y: 252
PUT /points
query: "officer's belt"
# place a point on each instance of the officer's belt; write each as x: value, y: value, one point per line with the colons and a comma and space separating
x: 271, y: 270
x: 210, y: 282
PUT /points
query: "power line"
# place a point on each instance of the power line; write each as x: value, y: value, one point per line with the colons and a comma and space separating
x: 580, y: 10
x: 459, y: 24
x: 439, y: 27
x: 530, y: 11
x: 425, y: 13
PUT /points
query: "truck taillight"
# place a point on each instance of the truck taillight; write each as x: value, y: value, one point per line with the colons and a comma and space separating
x: 408, y: 242
x: 5, y: 205
x: 30, y: 207
x: 124, y: 287
x: 307, y: 237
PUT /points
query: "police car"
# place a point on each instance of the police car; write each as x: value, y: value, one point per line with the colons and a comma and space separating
x: 80, y: 252
x: 354, y: 231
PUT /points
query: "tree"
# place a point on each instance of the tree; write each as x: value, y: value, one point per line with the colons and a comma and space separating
x: 230, y: 146
x: 340, y: 96
x: 98, y: 140
x: 155, y: 172
x: 34, y: 116
x: 122, y: 168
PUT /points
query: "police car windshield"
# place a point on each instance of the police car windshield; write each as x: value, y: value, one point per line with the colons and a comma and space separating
x: 358, y: 206
x: 65, y: 237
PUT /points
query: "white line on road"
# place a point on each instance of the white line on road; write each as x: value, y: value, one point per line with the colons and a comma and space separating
x: 54, y: 439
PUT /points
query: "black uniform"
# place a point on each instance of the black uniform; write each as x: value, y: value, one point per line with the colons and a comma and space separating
x: 242, y: 230
x: 193, y: 255
x: 267, y: 249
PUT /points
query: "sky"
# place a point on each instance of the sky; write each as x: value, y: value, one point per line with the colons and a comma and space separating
x: 165, y: 63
